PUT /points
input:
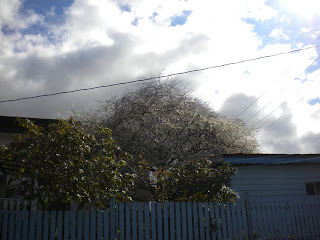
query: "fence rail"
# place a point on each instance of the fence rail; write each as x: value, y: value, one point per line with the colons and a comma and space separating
x: 250, y: 219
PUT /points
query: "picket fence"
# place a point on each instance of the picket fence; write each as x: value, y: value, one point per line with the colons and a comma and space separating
x: 247, y: 219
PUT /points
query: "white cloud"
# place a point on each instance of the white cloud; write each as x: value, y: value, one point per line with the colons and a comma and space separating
x: 278, y: 34
x: 305, y: 30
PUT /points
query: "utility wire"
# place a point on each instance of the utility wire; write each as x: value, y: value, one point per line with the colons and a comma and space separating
x: 151, y: 78
x: 261, y: 95
x: 286, y: 101
x: 282, y: 115
x: 307, y: 145
x: 267, y: 90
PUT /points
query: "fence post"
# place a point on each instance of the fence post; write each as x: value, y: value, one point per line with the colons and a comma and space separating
x: 249, y: 215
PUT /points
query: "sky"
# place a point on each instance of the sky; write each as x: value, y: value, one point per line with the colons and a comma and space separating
x: 53, y: 45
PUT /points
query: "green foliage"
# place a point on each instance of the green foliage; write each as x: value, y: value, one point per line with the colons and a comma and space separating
x: 63, y: 163
x: 195, y: 181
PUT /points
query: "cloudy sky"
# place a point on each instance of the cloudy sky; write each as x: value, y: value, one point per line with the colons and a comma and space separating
x: 57, y: 45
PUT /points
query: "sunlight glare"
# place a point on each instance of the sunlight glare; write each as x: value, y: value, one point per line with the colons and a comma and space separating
x: 305, y: 8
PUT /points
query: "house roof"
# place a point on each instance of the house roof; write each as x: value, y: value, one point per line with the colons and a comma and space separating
x: 239, y: 159
x: 8, y: 124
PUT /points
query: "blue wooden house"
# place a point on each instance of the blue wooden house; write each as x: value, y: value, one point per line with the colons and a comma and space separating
x: 275, y: 176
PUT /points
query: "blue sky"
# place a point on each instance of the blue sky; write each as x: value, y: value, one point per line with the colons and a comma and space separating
x: 44, y: 6
x: 48, y: 46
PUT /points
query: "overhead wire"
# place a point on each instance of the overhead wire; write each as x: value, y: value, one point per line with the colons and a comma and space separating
x: 283, y: 114
x: 267, y: 90
x: 162, y: 76
x: 286, y: 101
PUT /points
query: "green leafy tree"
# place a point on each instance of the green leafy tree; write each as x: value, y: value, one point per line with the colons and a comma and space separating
x: 195, y: 181
x: 63, y: 163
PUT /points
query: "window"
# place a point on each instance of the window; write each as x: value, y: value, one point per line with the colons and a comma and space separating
x: 313, y: 188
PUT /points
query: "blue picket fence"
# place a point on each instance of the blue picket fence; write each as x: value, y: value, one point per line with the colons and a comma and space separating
x: 173, y: 220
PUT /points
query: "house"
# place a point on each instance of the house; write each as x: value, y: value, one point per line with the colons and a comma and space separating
x: 269, y: 176
x: 8, y: 128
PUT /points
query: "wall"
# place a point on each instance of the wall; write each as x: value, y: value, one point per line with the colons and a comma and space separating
x: 285, y: 181
x: 5, y: 138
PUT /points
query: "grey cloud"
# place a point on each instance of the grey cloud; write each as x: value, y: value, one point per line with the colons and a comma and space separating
x: 316, y: 115
x: 281, y: 137
x: 34, y: 75
x: 310, y: 143
x: 236, y: 103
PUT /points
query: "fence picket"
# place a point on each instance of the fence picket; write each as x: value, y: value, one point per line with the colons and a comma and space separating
x: 229, y: 220
x: 276, y: 221
x: 59, y: 225
x: 146, y: 220
x: 201, y: 226
x: 311, y: 221
x: 172, y: 223
x: 153, y: 221
x: 269, y: 220
x: 25, y: 225
x: 239, y: 218
x: 121, y: 219
x: 38, y: 225
x: 284, y: 221
x: 297, y: 221
x: 79, y: 225
x: 128, y: 222
x: 112, y: 219
x: 99, y: 224
x: 1, y: 214
x: 66, y: 225
x: 292, y: 221
x: 234, y: 222
x: 165, y: 222
x: 178, y: 219
x: 45, y: 225
x: 52, y: 224
x: 134, y: 220
x: 140, y: 219
x: 260, y: 223
x: 289, y: 220
x: 93, y: 225
x: 316, y: 220
x: 301, y: 217
x: 106, y: 229
x: 189, y: 212
x: 206, y: 217
x: 212, y: 224
x: 218, y: 220
x: 86, y: 224
x: 19, y: 224
x: 195, y: 222
x: 11, y: 224
x: 32, y: 225
x: 159, y: 221
x: 223, y: 221
x: 73, y: 225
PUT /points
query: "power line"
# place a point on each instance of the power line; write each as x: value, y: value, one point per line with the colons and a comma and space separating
x: 261, y: 95
x: 282, y: 115
x: 286, y: 101
x: 152, y: 78
x: 308, y: 144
